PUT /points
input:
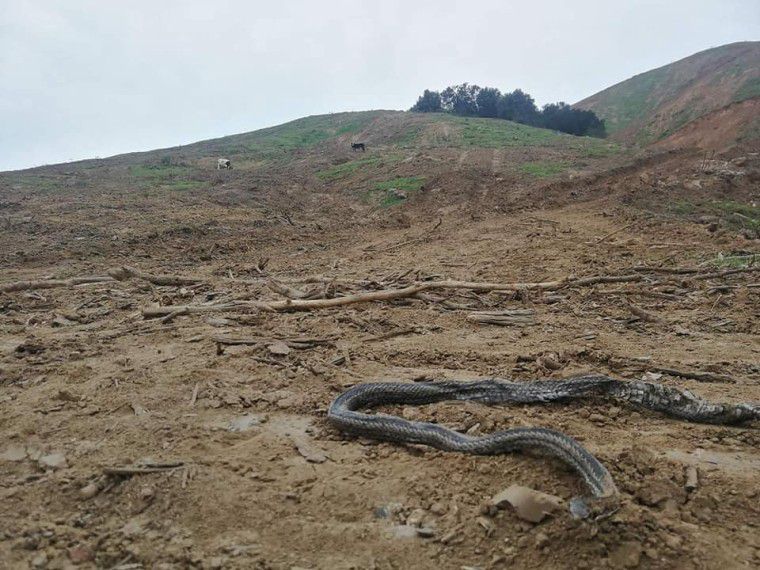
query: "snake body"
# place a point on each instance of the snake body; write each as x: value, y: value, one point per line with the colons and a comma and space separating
x: 344, y: 414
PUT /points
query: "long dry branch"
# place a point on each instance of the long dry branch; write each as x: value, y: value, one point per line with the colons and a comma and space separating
x: 52, y: 283
x: 411, y: 291
x: 126, y: 272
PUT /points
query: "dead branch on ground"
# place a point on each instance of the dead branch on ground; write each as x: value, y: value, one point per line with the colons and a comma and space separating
x: 644, y: 315
x: 125, y: 272
x: 515, y: 317
x: 52, y: 283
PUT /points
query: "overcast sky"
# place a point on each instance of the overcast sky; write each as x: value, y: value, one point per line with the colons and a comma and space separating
x: 80, y: 79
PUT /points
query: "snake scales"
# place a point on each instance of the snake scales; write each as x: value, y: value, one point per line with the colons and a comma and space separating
x: 344, y: 414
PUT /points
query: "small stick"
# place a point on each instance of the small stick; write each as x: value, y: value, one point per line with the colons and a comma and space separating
x: 699, y: 376
x: 644, y: 315
x: 142, y: 469
x: 617, y: 231
x: 194, y: 396
x: 392, y: 334
x: 653, y: 294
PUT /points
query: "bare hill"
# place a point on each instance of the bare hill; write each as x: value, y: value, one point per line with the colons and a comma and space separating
x: 656, y: 104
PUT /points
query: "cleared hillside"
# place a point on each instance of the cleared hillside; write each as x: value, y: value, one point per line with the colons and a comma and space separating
x: 162, y: 403
x: 313, y: 155
x: 655, y: 104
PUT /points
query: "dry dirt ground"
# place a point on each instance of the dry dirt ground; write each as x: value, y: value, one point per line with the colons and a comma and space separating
x: 88, y: 385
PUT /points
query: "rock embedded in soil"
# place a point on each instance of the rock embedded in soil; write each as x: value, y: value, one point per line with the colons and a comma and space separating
x: 53, y: 461
x: 529, y: 504
x: 14, y: 453
x: 627, y: 555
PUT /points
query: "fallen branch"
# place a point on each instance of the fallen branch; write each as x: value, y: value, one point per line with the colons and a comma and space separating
x: 153, y: 312
x: 609, y: 235
x: 644, y: 315
x: 693, y: 270
x: 411, y: 291
x: 392, y: 334
x: 699, y: 376
x: 296, y: 342
x: 125, y: 272
x: 638, y: 293
x: 567, y: 282
x: 143, y: 469
x: 293, y: 293
x: 516, y: 317
x: 52, y: 283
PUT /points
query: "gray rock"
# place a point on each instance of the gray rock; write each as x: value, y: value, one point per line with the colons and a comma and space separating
x: 53, y: 461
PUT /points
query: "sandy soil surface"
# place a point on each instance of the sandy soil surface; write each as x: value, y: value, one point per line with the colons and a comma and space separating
x: 251, y: 475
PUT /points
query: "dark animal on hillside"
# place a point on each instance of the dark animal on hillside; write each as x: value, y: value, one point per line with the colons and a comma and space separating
x: 358, y: 146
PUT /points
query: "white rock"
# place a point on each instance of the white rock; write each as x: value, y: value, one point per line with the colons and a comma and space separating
x: 53, y: 461
x: 529, y: 504
x: 14, y: 453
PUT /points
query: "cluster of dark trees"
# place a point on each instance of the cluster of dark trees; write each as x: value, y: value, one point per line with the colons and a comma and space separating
x: 473, y: 101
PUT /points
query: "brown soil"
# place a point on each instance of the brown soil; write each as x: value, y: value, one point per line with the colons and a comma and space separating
x: 264, y: 481
x: 720, y: 130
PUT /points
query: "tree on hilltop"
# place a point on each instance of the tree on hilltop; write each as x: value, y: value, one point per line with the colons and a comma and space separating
x: 428, y: 102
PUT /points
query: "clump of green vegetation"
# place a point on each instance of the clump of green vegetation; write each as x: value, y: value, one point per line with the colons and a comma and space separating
x: 491, y: 133
x: 733, y: 214
x: 173, y: 177
x: 408, y: 137
x: 347, y: 168
x: 409, y: 185
x: 682, y: 208
x: 157, y: 171
x: 591, y: 148
x: 738, y: 214
x: 33, y: 182
x: 750, y: 89
x: 304, y: 133
x: 735, y: 261
x: 544, y: 168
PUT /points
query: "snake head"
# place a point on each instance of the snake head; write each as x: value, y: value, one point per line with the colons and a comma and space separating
x: 594, y: 508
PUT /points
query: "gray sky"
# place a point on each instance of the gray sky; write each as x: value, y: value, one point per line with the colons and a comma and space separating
x: 82, y: 78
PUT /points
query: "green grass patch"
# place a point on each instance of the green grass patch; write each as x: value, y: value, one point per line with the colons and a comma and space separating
x: 738, y: 214
x: 163, y: 175
x: 735, y: 261
x: 303, y: 133
x: 495, y: 133
x: 544, y: 168
x: 410, y: 185
x: 498, y: 133
x: 682, y: 208
x: 735, y: 215
x: 750, y: 89
x: 347, y: 168
x: 408, y: 137
x: 34, y: 182
x: 157, y: 171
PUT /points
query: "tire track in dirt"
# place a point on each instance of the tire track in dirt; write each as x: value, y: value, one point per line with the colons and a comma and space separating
x: 496, y: 161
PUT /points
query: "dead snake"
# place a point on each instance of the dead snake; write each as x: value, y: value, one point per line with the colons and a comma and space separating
x: 343, y: 414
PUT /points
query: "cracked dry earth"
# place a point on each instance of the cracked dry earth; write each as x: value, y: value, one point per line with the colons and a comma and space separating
x: 251, y: 476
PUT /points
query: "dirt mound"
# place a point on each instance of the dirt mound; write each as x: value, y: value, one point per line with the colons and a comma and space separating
x: 737, y: 124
